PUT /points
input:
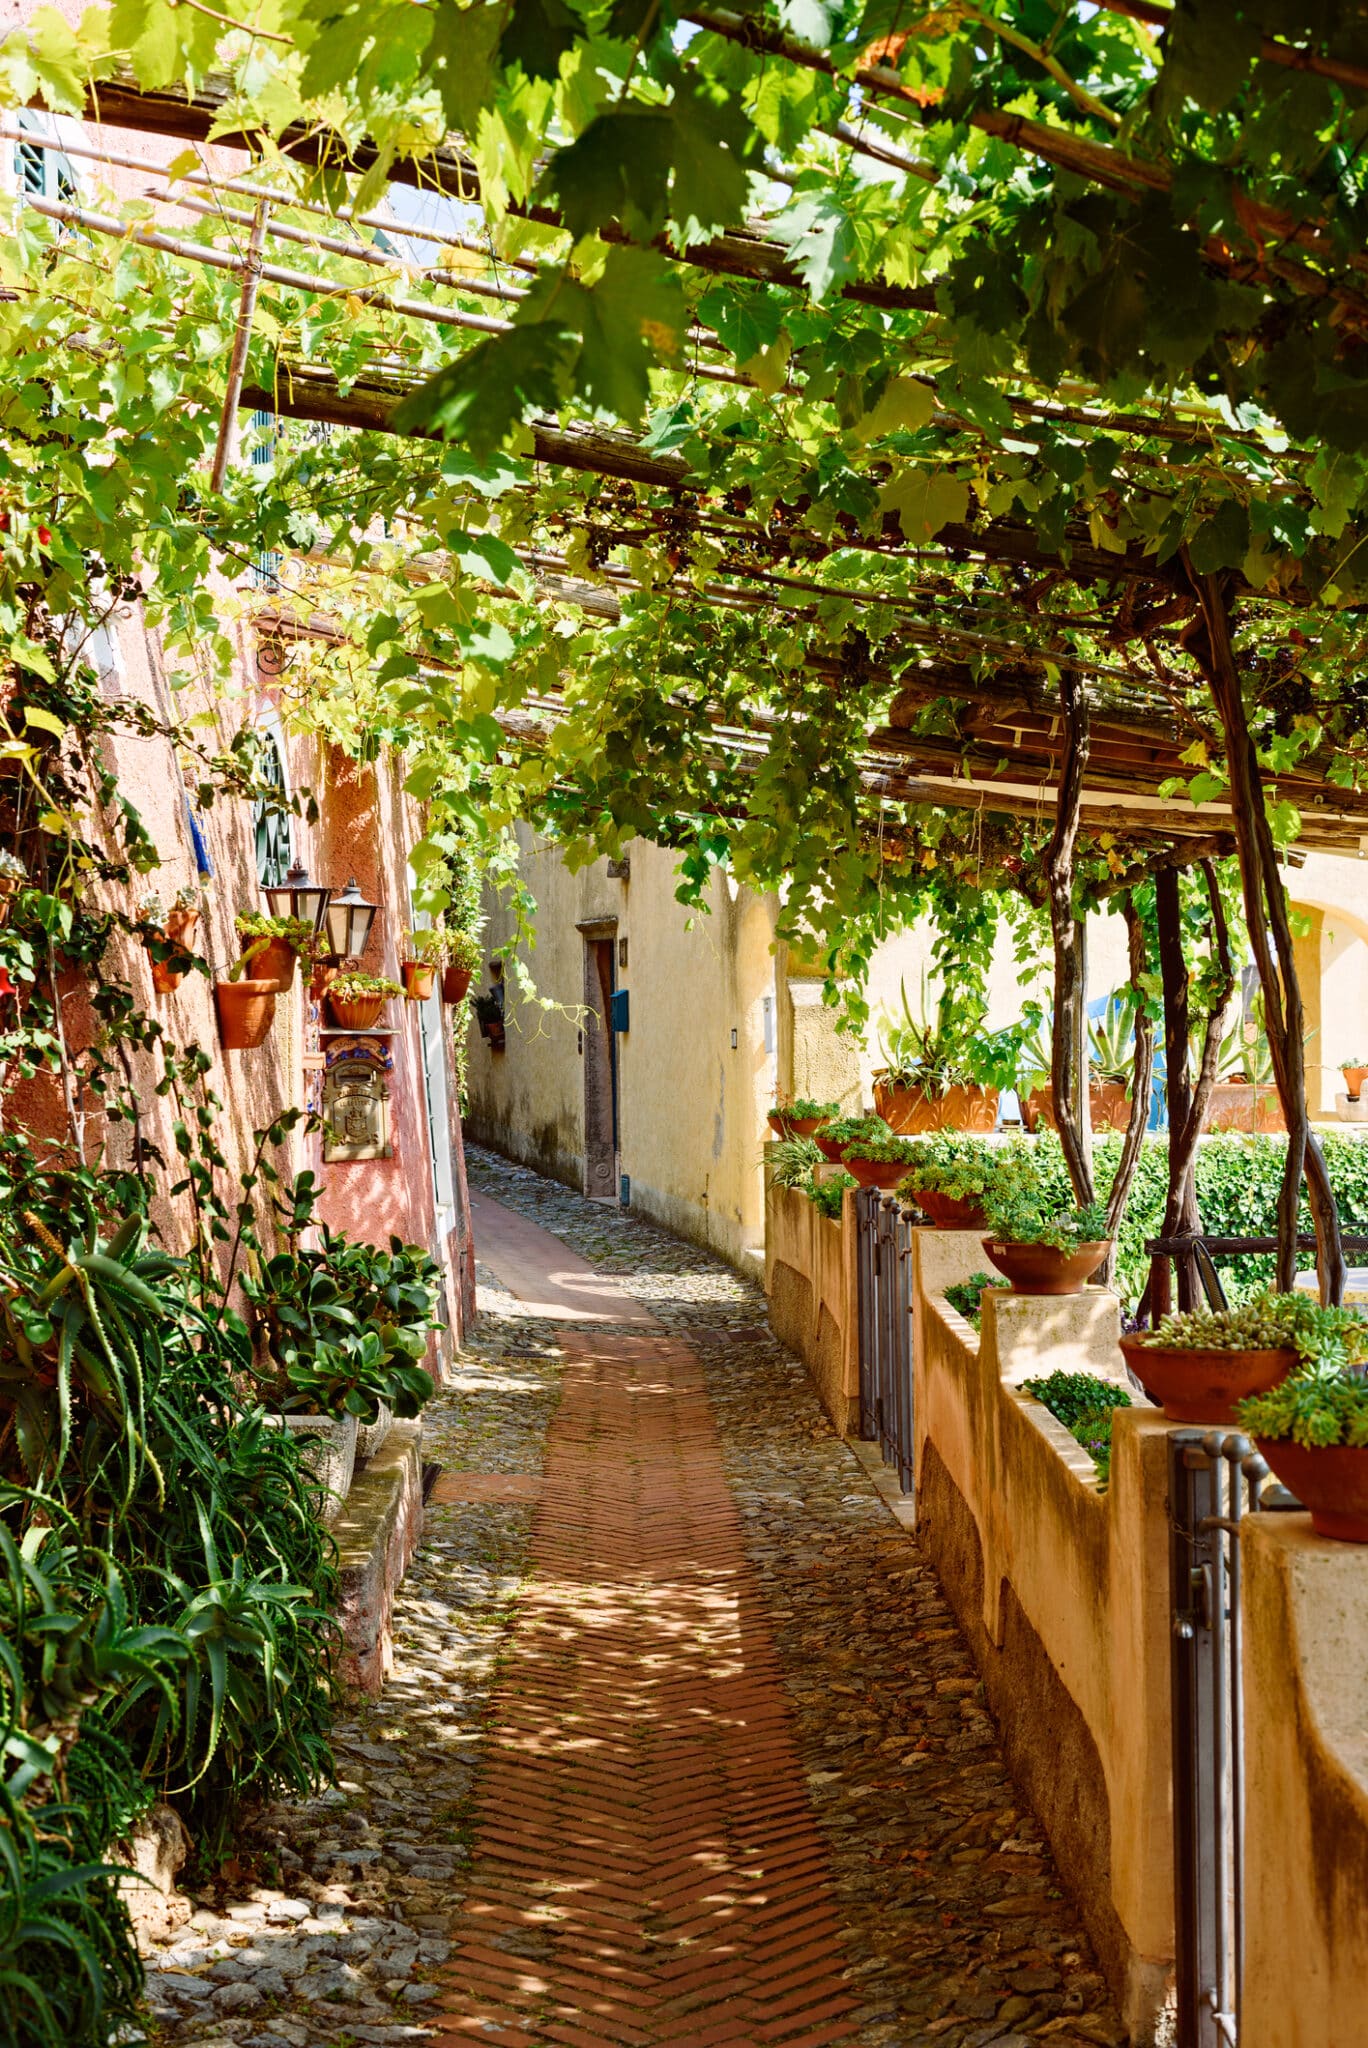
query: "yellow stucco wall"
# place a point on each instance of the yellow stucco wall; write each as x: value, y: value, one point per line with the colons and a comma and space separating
x: 691, y: 1105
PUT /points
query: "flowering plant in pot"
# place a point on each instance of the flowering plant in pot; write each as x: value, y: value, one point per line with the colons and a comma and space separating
x: 357, y: 999
x: 273, y: 945
x: 462, y: 959
x: 837, y: 1132
x: 1036, y: 1236
x: 1200, y: 1363
x: 877, y: 1162
x: 800, y: 1119
x: 424, y: 954
x: 949, y: 1177
x: 167, y: 934
x: 1313, y: 1430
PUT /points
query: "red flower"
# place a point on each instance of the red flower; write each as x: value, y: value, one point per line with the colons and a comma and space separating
x: 7, y: 987
x: 45, y: 536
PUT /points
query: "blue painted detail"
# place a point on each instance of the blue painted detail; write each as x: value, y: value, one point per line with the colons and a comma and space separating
x: 625, y: 1190
x: 618, y: 1010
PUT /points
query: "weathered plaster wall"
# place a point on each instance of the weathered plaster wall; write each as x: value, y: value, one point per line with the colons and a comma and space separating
x: 691, y: 1105
x: 1306, y: 1788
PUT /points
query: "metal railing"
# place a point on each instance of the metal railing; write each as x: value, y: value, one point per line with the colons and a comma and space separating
x: 1215, y: 1480
x: 884, y: 1253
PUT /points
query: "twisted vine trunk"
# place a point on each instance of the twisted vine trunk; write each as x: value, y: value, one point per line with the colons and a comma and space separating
x: 1188, y: 1099
x: 1266, y: 912
x: 1142, y: 1077
x: 1068, y: 1038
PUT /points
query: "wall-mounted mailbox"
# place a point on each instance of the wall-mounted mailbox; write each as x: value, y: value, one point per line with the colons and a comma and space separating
x: 618, y: 1010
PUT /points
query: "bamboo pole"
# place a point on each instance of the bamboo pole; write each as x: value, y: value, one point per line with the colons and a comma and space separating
x: 1069, y: 1036
x: 242, y: 335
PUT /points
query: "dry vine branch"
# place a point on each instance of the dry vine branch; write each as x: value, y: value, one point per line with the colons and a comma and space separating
x: 1068, y: 1040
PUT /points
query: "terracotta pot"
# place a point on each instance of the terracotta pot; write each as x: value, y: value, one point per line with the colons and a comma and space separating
x: 1354, y: 1078
x: 1109, y: 1107
x: 830, y: 1148
x: 958, y: 1109
x: 275, y: 963
x: 1240, y: 1106
x: 321, y: 980
x: 167, y: 975
x: 1040, y: 1269
x: 356, y: 1013
x: 418, y: 979
x: 1203, y: 1386
x: 876, y: 1173
x: 455, y: 983
x: 949, y: 1213
x: 793, y: 1126
x: 246, y: 1011
x: 1331, y: 1480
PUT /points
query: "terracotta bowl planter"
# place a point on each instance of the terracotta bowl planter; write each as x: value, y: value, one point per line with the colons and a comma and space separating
x: 948, y: 1213
x: 1040, y: 1269
x: 1203, y: 1386
x: 276, y: 964
x: 876, y: 1173
x: 246, y: 1011
x: 830, y: 1148
x: 912, y: 1109
x: 1109, y: 1107
x: 1332, y: 1481
x: 455, y: 983
x: 1354, y: 1078
x: 793, y: 1126
x: 1240, y: 1106
x: 418, y: 979
x: 355, y: 1013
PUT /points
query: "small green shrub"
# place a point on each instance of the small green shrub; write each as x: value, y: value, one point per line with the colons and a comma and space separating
x: 1084, y: 1404
x: 951, y: 1163
x: 828, y: 1194
x: 966, y: 1296
x: 1025, y: 1205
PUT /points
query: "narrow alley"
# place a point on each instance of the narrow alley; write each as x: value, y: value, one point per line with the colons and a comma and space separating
x: 682, y: 1743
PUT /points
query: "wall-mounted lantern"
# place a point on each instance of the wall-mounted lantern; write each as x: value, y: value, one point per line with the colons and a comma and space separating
x: 298, y: 897
x: 349, y: 921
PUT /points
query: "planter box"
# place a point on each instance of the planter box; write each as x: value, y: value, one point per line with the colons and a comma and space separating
x: 958, y: 1109
x: 370, y: 1435
x: 1240, y: 1106
x: 329, y: 1446
x: 1109, y: 1107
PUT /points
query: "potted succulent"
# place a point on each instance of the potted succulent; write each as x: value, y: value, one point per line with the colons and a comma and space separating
x: 1111, y: 1050
x: 246, y: 1008
x: 877, y: 1162
x: 1355, y: 1072
x: 12, y: 874
x: 839, y: 1131
x: 1198, y: 1364
x: 949, y: 1177
x: 462, y: 959
x: 357, y: 999
x: 1313, y: 1430
x: 272, y: 946
x: 426, y: 950
x: 1036, y: 1236
x: 168, y: 934
x: 800, y: 1119
x: 935, y: 1076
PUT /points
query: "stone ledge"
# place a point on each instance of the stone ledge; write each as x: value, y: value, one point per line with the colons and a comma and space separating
x: 377, y: 1533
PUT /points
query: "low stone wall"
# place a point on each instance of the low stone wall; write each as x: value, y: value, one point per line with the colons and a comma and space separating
x: 377, y: 1533
x: 813, y: 1298
x: 1062, y: 1591
x: 1306, y: 1788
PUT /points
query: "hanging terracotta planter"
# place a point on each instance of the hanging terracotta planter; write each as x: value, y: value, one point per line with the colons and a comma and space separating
x: 167, y: 975
x: 1329, y: 1479
x: 961, y: 1107
x: 1041, y: 1269
x: 276, y: 963
x: 456, y: 983
x: 419, y: 977
x: 1203, y: 1386
x: 324, y: 974
x: 246, y: 1011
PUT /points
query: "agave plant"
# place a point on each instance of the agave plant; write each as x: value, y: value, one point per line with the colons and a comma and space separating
x: 1111, y: 1041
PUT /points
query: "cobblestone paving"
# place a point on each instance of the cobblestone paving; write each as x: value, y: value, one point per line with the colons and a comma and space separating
x: 956, y: 1929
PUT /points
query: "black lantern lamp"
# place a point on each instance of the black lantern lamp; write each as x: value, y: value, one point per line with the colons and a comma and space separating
x: 298, y: 897
x: 349, y: 919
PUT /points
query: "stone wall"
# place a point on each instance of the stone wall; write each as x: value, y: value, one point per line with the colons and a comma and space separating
x: 813, y: 1301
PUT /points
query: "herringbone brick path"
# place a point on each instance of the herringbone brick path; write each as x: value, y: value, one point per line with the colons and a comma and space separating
x: 646, y: 1866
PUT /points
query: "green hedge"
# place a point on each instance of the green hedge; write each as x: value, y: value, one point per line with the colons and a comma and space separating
x: 1238, y: 1179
